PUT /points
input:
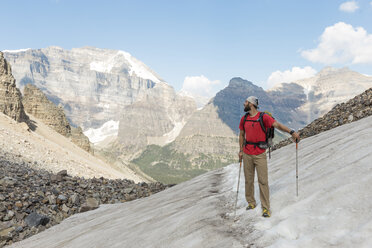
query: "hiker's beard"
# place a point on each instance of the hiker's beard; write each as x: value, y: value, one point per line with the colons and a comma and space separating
x: 247, y: 108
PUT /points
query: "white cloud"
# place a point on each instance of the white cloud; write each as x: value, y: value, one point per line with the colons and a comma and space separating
x: 200, y: 88
x: 200, y: 85
x: 290, y: 75
x: 370, y: 3
x: 342, y: 43
x: 350, y: 6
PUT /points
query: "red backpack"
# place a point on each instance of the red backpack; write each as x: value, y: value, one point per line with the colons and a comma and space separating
x: 269, y: 133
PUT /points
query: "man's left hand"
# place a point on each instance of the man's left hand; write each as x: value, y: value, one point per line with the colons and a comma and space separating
x: 296, y: 137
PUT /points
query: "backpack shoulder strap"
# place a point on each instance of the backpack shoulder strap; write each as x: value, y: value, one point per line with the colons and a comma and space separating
x: 260, y: 119
x: 245, y: 119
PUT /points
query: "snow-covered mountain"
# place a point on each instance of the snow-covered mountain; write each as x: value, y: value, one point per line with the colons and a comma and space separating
x: 92, y: 84
x: 96, y: 87
x: 332, y: 209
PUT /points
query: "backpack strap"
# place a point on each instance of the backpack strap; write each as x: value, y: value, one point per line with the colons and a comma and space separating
x: 260, y: 119
x: 245, y: 119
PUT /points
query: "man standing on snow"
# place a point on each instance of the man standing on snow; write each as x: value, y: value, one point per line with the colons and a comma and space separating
x: 253, y: 156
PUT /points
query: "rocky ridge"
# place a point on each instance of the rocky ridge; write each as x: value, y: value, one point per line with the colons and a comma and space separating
x: 347, y: 112
x: 34, y: 200
x: 10, y: 96
x: 37, y: 104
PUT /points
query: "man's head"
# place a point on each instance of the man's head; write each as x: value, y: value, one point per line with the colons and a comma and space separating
x: 251, y: 102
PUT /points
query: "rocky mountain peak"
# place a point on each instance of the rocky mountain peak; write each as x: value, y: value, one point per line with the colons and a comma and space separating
x: 10, y: 96
x: 91, y: 84
x: 240, y: 82
x: 5, y: 70
x: 329, y: 70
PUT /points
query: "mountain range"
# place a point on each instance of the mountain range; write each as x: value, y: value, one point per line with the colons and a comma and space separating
x: 34, y: 132
x: 138, y: 119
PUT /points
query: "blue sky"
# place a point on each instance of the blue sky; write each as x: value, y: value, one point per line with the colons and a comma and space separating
x: 261, y: 41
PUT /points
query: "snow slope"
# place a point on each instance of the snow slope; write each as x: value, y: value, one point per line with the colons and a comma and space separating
x: 333, y: 208
x: 334, y: 205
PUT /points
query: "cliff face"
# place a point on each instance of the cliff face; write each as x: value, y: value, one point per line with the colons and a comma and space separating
x: 38, y: 105
x: 156, y: 118
x: 92, y: 85
x: 10, y: 96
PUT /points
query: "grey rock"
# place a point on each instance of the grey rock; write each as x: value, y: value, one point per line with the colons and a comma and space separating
x: 8, y: 181
x: 62, y: 173
x: 90, y: 204
x: 52, y: 199
x: 62, y: 198
x: 35, y: 219
x: 11, y: 214
x: 75, y: 199
x: 128, y: 190
x: 6, y: 234
x: 20, y: 216
x: 65, y: 208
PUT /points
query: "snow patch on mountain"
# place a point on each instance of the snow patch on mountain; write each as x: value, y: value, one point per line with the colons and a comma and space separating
x: 139, y: 68
x: 108, y: 129
x: 172, y: 135
x: 135, y: 66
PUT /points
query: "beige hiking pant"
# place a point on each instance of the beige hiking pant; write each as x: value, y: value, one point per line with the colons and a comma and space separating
x: 258, y: 162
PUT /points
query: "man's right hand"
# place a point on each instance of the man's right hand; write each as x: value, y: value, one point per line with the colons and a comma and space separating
x: 240, y: 156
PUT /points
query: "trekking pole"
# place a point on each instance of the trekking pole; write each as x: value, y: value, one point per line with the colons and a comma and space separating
x: 237, y: 191
x: 296, y: 167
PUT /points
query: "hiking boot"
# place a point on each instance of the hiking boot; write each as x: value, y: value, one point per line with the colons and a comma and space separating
x: 250, y: 206
x: 266, y: 213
